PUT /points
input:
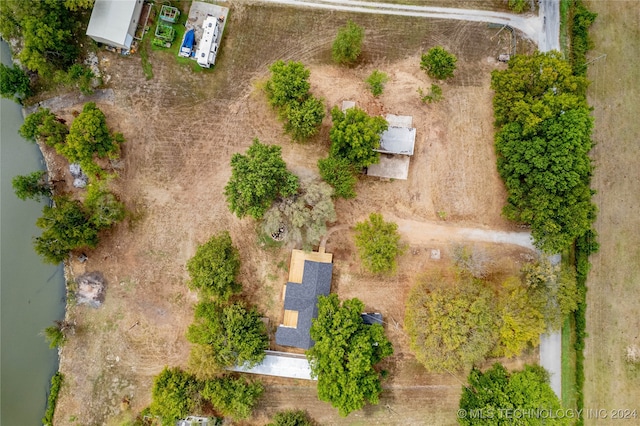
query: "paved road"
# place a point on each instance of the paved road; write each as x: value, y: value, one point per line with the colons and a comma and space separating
x: 543, y: 29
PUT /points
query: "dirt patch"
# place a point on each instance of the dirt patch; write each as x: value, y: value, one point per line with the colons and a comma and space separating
x: 181, y: 129
x: 613, y: 284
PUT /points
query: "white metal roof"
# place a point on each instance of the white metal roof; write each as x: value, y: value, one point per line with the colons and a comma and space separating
x: 281, y: 364
x: 110, y: 20
x: 397, y: 140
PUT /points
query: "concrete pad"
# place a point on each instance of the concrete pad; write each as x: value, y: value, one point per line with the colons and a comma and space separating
x: 391, y: 167
x: 399, y: 120
x: 348, y: 104
x: 551, y: 359
x: 280, y: 364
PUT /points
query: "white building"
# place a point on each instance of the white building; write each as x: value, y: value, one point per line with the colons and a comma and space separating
x: 114, y: 22
x: 208, y: 47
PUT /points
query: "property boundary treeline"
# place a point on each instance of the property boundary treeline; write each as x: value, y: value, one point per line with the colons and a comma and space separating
x: 580, y: 19
x: 52, y: 400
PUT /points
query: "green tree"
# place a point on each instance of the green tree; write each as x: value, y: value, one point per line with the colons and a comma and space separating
x: 215, y: 266
x: 77, y: 76
x: 339, y: 173
x: 521, y: 318
x: 304, y: 215
x: 451, y: 322
x: 543, y: 142
x: 55, y: 334
x: 234, y: 332
x: 376, y: 82
x: 33, y: 186
x: 347, y: 46
x: 257, y: 179
x: 496, y: 389
x: 45, y: 126
x: 378, y: 244
x: 175, y: 394
x: 233, y: 397
x: 291, y: 418
x: 555, y: 287
x: 89, y: 136
x: 78, y: 4
x: 345, y: 353
x: 355, y: 135
x: 289, y: 82
x: 104, y: 207
x: 66, y: 226
x: 303, y: 119
x: 14, y: 83
x: 438, y: 63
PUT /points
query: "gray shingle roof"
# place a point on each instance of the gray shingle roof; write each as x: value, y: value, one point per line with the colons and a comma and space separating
x: 316, y: 281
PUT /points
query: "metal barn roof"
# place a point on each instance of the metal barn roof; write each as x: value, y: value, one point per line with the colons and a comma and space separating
x: 110, y: 21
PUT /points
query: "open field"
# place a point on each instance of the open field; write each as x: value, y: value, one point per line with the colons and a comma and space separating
x: 613, y: 323
x: 181, y: 130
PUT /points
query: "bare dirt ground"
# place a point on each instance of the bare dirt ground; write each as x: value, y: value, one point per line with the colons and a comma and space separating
x: 613, y: 324
x: 181, y: 129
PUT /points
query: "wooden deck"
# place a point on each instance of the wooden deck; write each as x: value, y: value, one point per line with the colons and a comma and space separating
x: 296, y: 267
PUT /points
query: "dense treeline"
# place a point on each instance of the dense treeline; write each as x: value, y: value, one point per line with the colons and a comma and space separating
x: 580, y: 21
x: 543, y: 140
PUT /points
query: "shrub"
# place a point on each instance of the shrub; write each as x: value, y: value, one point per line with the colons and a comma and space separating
x: 438, y: 63
x: 376, y: 82
x: 378, y: 244
x: 347, y: 46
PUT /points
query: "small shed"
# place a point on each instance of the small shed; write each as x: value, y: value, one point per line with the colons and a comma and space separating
x: 396, y: 148
x: 114, y: 22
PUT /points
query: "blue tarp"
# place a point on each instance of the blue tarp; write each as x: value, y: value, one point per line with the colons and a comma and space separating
x: 189, y: 38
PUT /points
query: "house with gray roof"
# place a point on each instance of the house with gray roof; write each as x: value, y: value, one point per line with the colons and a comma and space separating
x: 301, y: 298
x: 114, y: 22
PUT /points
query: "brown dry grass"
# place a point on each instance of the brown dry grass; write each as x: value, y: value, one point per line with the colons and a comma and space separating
x: 181, y: 130
x: 614, y: 283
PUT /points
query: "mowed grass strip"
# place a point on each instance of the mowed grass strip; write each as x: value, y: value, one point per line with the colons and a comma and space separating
x: 614, y: 281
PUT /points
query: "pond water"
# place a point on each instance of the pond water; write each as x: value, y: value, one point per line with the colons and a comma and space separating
x: 31, y: 292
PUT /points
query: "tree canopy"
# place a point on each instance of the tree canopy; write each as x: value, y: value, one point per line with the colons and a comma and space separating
x: 233, y: 334
x: 345, y: 353
x: 378, y: 244
x: 543, y: 140
x: 214, y: 267
x: 451, y: 322
x: 14, y: 83
x: 355, y: 135
x: 496, y: 389
x: 257, y: 179
x: 174, y: 395
x: 347, y: 45
x: 66, y: 226
x: 34, y: 185
x: 291, y: 418
x: 304, y: 215
x: 340, y: 174
x: 233, y: 397
x: 104, y: 207
x: 45, y: 126
x: 438, y: 63
x: 288, y: 91
x: 89, y: 136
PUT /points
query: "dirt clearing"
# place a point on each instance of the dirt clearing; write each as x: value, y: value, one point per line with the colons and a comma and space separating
x: 181, y: 129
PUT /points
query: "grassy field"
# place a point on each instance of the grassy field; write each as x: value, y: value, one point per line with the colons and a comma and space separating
x: 613, y: 323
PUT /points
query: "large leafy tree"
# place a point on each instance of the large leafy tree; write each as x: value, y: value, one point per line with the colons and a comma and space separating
x: 347, y: 46
x: 542, y: 144
x: 339, y: 173
x: 233, y: 397
x: 378, y: 244
x: 14, y: 83
x: 355, y: 135
x: 34, y: 185
x: 496, y: 393
x: 47, y: 30
x: 257, y: 179
x: 214, y: 267
x: 66, y: 226
x: 451, y: 322
x: 288, y: 91
x: 89, y: 136
x: 345, y: 353
x: 45, y: 126
x: 104, y: 207
x: 232, y: 334
x: 175, y: 395
x: 438, y: 63
x: 304, y: 215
